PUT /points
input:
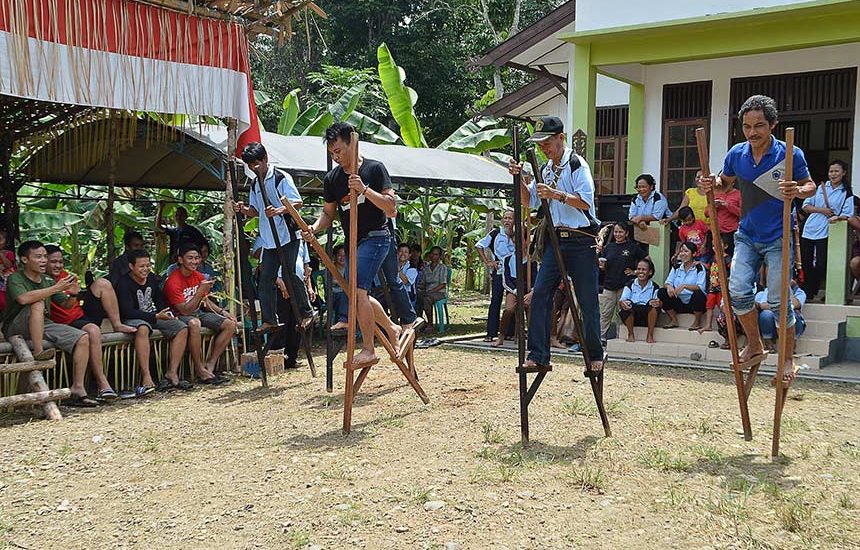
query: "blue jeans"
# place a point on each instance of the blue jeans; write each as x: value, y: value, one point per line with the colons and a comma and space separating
x: 581, y: 262
x: 381, y: 252
x: 746, y: 265
x: 496, y: 295
x: 767, y: 324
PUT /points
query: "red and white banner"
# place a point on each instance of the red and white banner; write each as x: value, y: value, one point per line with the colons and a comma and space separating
x: 121, y: 54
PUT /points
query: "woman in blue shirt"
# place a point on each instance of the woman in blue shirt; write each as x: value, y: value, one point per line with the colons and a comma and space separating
x: 832, y: 202
x: 639, y: 304
x: 648, y: 205
x: 684, y: 291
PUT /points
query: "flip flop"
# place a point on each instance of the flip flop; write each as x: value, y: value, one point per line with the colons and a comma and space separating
x: 165, y: 385
x: 713, y: 344
x: 143, y: 391
x: 107, y: 395
x: 671, y: 325
x: 489, y: 339
x: 81, y: 401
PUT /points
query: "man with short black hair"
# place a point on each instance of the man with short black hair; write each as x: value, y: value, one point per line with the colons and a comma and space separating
x: 187, y: 293
x: 143, y: 306
x: 376, y: 246
x: 132, y: 240
x: 757, y: 167
x: 30, y: 293
x: 279, y: 186
x: 181, y: 232
x: 434, y: 283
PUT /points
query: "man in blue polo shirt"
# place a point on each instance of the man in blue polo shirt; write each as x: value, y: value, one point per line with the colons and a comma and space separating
x: 757, y: 167
x: 493, y: 249
x: 569, y: 189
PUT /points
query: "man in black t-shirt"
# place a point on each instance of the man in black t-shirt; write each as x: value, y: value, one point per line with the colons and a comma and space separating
x: 376, y: 246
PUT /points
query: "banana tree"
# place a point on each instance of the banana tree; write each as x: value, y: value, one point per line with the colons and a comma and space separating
x: 401, y: 98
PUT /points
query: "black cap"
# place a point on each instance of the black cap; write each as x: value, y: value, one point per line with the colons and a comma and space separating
x: 547, y: 127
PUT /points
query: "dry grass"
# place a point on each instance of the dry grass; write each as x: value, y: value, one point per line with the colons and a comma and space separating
x: 239, y: 467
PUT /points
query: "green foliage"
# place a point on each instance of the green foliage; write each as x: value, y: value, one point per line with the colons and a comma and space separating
x: 290, y: 114
x: 401, y: 98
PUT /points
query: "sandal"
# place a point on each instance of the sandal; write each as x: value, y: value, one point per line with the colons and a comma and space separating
x: 184, y: 385
x: 214, y: 381
x: 81, y: 401
x: 670, y: 325
x: 713, y: 344
x: 107, y: 395
x: 489, y: 339
x: 165, y: 385
x: 143, y: 391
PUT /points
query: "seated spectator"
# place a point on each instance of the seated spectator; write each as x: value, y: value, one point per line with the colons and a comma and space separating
x: 434, y: 284
x: 119, y: 268
x: 695, y: 198
x: 854, y: 264
x: 205, y: 268
x: 617, y: 260
x: 339, y: 301
x: 648, y: 205
x: 694, y: 231
x: 639, y: 304
x: 181, y: 232
x: 415, y: 259
x: 767, y: 321
x: 8, y: 266
x: 408, y: 274
x: 684, y: 291
x: 186, y: 292
x: 30, y: 294
x: 142, y: 305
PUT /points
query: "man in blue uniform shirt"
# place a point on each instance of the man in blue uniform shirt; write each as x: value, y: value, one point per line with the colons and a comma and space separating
x: 569, y: 190
x: 757, y: 167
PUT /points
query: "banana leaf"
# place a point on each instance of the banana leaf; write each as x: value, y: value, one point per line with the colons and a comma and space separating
x: 290, y: 114
x: 308, y: 115
x: 49, y: 220
x: 346, y: 103
x: 401, y: 98
x: 467, y: 129
x: 261, y: 98
x: 484, y: 140
x: 319, y: 124
x: 368, y: 126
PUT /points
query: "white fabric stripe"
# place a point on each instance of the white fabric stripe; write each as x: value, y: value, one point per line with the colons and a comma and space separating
x: 770, y: 184
x: 58, y: 72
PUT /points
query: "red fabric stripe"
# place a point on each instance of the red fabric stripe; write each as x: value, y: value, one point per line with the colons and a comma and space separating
x: 130, y: 28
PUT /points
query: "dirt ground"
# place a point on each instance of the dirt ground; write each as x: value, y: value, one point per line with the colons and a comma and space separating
x: 240, y: 467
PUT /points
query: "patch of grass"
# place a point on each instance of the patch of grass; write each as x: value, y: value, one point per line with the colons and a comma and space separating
x: 420, y: 496
x: 150, y: 443
x: 590, y: 480
x: 336, y: 474
x: 732, y: 503
x: 706, y: 427
x: 749, y: 542
x: 65, y: 450
x: 478, y: 475
x: 492, y: 433
x: 677, y: 494
x: 617, y: 406
x: 851, y: 449
x: 794, y: 424
x: 297, y: 539
x: 712, y: 455
x: 805, y: 451
x: 660, y: 459
x: 576, y: 406
x: 29, y: 460
x: 350, y: 516
x: 793, y: 514
x: 657, y: 425
x: 845, y: 502
x: 771, y: 489
x: 508, y: 473
x: 328, y: 400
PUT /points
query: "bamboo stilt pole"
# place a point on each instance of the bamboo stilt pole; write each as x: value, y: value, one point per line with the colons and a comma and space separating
x: 784, y: 301
x: 704, y: 161
x: 353, y: 286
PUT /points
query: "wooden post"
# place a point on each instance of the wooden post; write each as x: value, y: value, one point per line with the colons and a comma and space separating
x: 113, y: 149
x: 353, y: 286
x: 229, y: 215
x: 704, y: 162
x: 37, y: 383
x: 784, y: 301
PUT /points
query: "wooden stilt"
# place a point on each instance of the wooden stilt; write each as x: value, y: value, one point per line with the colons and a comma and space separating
x: 353, y: 288
x: 784, y: 301
x: 743, y: 387
x: 40, y: 393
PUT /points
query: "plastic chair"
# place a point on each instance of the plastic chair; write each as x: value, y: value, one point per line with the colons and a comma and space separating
x: 441, y: 308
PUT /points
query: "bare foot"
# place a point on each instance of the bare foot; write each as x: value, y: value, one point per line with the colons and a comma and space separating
x: 499, y: 343
x: 705, y: 329
x: 596, y: 366
x: 125, y: 329
x: 340, y: 325
x: 789, y: 373
x: 393, y: 334
x: 630, y: 338
x: 650, y: 340
x: 365, y: 359
x: 750, y: 356
x: 265, y: 327
x: 556, y: 344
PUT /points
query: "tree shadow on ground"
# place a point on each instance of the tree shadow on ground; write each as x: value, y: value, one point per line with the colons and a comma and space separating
x: 252, y: 394
x: 335, y: 439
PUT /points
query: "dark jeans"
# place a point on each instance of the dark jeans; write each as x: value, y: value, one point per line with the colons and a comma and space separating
x: 581, y: 262
x: 813, y: 253
x: 497, y: 294
x: 288, y: 337
x: 400, y: 302
x: 696, y: 305
x: 269, y: 272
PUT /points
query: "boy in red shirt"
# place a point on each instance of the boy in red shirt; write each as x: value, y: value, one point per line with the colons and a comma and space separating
x: 694, y: 231
x: 186, y: 292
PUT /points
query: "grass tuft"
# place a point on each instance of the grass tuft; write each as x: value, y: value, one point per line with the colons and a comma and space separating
x: 793, y: 514
x: 492, y: 433
x: 590, y: 480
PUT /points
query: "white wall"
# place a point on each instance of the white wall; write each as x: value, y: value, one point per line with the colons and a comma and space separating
x: 720, y: 72
x: 601, y: 14
x: 611, y: 92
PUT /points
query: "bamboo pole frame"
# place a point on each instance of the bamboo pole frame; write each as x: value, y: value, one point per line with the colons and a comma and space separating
x: 352, y: 316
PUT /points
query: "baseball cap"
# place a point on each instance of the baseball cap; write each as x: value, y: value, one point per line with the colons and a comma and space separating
x: 547, y: 127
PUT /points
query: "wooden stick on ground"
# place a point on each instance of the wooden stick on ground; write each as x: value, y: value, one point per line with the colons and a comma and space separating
x: 41, y: 394
x: 719, y: 258
x: 784, y: 301
x: 352, y: 162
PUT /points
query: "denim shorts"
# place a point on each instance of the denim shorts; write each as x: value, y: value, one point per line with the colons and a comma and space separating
x: 371, y: 252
